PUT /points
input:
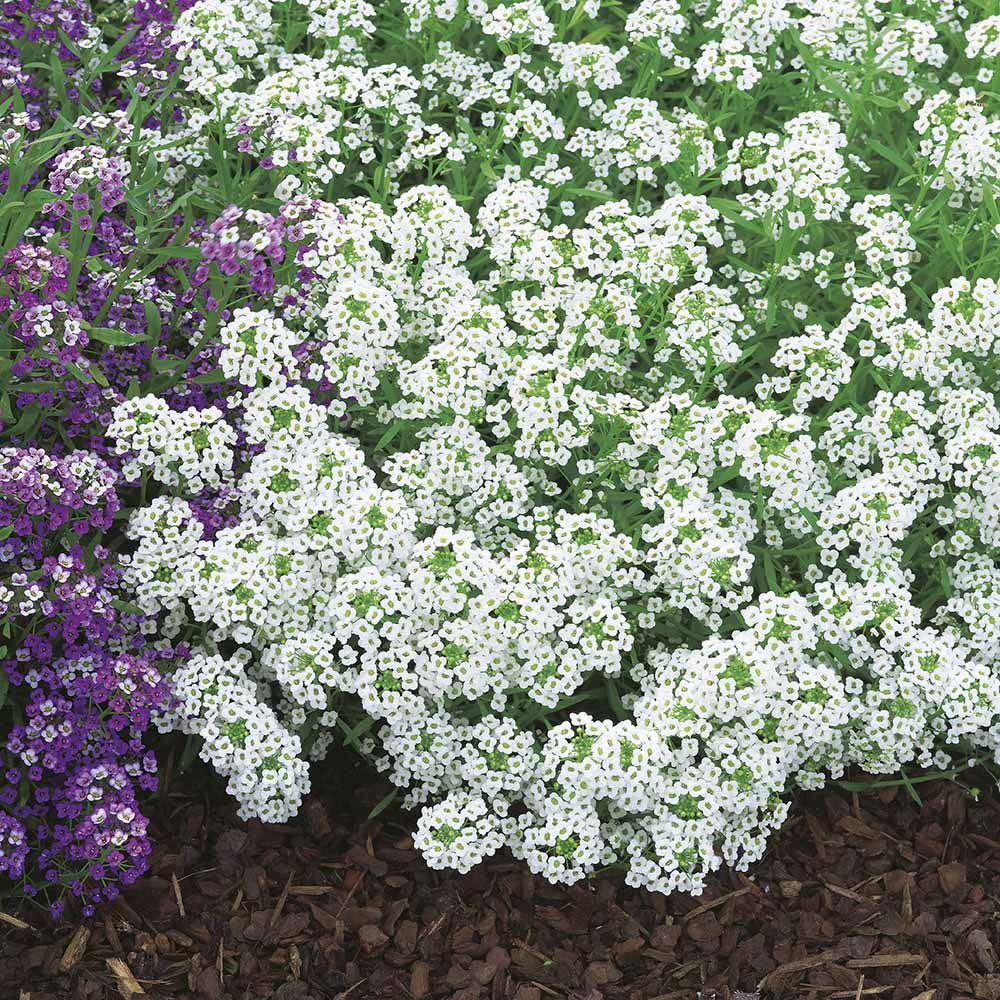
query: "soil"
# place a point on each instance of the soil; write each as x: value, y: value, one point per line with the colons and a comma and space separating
x: 861, y: 895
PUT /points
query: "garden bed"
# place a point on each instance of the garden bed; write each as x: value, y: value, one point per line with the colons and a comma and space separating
x: 576, y: 422
x: 859, y: 896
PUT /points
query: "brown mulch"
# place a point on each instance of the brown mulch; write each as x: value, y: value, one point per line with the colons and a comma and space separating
x: 859, y: 896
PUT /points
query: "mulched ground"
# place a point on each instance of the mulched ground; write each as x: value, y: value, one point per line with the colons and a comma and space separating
x: 860, y: 896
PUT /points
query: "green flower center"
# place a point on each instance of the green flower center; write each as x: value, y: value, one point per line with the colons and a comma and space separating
x: 739, y: 672
x: 446, y: 835
x: 282, y: 482
x: 687, y: 807
x: 442, y: 561
x: 566, y: 846
x: 365, y: 601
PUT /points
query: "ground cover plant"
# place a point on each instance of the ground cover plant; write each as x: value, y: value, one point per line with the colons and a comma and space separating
x: 584, y: 411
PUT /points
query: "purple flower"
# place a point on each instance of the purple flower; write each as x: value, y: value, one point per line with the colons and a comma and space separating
x: 13, y: 846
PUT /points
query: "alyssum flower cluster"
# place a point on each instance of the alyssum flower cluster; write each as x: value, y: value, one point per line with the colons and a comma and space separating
x: 600, y: 471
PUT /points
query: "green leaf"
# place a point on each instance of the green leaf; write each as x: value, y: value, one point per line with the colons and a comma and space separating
x: 126, y: 606
x: 884, y: 102
x: 394, y: 429
x: 735, y: 212
x: 726, y: 475
x: 945, y: 577
x: 153, y: 323
x: 39, y: 386
x: 352, y: 736
x: 614, y: 699
x: 108, y: 336
x: 30, y: 418
x: 889, y: 154
x: 384, y: 803
x: 191, y: 747
x: 598, y: 34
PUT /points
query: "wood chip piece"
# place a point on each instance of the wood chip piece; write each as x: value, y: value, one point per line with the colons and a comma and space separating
x: 886, y: 961
x: 868, y: 991
x: 75, y: 949
x: 848, y: 893
x: 951, y: 876
x: 282, y: 899
x: 420, y: 980
x: 858, y: 828
x: 712, y: 904
x: 372, y: 937
x: 177, y: 894
x: 799, y: 965
x: 111, y: 933
x: 128, y: 985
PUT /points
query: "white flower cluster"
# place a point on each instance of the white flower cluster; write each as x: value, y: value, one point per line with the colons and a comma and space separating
x: 191, y: 448
x: 616, y: 472
x: 960, y: 144
x: 746, y: 31
x: 241, y: 737
x: 804, y: 166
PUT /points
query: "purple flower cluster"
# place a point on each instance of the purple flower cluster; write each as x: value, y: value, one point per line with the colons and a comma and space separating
x: 49, y: 509
x: 82, y: 174
x: 83, y: 310
x: 13, y: 846
x: 39, y: 29
x: 41, y: 496
x: 49, y: 327
x: 64, y: 371
x: 29, y: 22
x: 250, y: 246
x: 14, y: 77
x: 77, y: 761
x: 216, y: 509
x: 33, y: 30
x: 76, y: 767
x: 36, y: 273
x: 241, y: 256
x: 148, y: 54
